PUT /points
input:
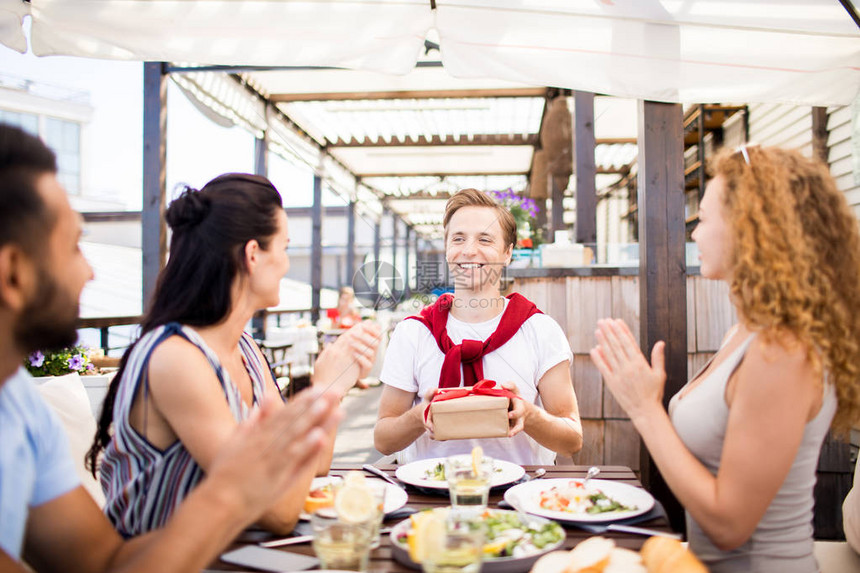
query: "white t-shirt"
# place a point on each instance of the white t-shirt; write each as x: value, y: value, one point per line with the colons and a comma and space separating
x: 413, y: 363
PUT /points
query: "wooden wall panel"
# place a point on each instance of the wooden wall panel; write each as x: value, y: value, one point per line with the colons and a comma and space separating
x: 538, y: 294
x: 611, y: 408
x: 691, y: 315
x: 556, y: 305
x: 592, y: 444
x: 714, y: 313
x: 621, y: 443
x: 588, y: 385
x: 576, y: 303
x: 625, y: 302
x: 587, y: 300
x: 695, y: 361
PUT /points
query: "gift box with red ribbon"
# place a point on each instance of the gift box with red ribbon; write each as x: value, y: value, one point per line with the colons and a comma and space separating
x: 479, y: 411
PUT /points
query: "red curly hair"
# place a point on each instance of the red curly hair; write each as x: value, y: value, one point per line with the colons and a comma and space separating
x: 796, y: 261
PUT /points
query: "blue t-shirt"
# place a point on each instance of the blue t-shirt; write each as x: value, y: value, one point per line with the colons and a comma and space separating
x: 35, y: 463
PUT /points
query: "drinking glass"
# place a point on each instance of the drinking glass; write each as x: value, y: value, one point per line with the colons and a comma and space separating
x: 468, y: 482
x: 378, y: 488
x: 338, y: 544
x: 461, y: 548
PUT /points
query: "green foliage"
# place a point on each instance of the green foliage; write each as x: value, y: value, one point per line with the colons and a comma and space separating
x: 60, y: 362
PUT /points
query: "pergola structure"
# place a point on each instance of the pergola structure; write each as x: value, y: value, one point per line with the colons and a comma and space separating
x: 364, y: 138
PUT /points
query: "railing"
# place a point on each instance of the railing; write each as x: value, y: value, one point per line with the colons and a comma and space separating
x: 103, y: 325
x: 258, y: 328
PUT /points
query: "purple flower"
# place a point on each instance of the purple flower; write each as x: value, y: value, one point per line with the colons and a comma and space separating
x: 76, y: 362
x: 37, y: 359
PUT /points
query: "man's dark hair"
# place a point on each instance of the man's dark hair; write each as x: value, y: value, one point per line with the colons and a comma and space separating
x: 24, y: 216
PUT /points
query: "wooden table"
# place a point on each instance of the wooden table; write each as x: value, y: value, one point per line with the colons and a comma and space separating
x: 381, y: 558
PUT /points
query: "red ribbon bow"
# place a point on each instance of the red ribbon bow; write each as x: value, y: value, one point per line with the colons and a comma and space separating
x: 482, y: 388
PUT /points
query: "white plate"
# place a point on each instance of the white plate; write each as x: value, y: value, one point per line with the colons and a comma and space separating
x: 395, y: 497
x: 526, y: 497
x: 415, y: 473
x: 400, y: 551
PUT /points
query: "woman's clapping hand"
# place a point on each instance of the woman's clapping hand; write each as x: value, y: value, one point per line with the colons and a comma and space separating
x: 636, y: 384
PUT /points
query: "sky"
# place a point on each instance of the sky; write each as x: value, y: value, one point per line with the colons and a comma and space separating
x: 112, y: 142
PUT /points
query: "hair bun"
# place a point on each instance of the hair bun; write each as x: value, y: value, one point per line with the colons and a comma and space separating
x: 188, y: 210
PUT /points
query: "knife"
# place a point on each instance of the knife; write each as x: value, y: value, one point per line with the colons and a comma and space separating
x: 301, y: 539
x: 379, y: 473
x: 640, y: 530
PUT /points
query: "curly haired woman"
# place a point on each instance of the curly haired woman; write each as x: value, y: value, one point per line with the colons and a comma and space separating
x: 739, y: 446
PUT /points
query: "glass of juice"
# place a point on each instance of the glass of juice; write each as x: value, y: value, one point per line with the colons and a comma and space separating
x: 460, y: 549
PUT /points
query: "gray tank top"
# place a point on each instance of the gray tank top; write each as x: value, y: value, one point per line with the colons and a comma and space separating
x: 782, y: 541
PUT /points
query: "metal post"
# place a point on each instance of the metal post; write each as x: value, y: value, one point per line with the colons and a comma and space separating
x: 662, y: 266
x: 395, y: 237
x: 350, y: 242
x: 377, y: 239
x: 557, y: 205
x: 316, y: 249
x: 153, y: 228
x: 406, y: 286
x: 586, y: 171
x: 261, y: 167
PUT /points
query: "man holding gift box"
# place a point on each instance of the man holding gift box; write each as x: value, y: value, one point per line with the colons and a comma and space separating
x: 452, y: 353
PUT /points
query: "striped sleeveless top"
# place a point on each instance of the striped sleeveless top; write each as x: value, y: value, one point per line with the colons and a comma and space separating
x: 143, y: 485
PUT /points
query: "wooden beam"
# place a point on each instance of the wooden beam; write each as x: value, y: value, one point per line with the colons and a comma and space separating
x: 153, y: 227
x: 111, y: 216
x: 662, y: 266
x: 436, y: 174
x: 584, y: 167
x: 437, y: 141
x: 615, y: 140
x: 408, y: 94
x: 328, y: 211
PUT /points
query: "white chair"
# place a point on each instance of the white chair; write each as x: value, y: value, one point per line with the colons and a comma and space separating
x: 836, y: 557
x: 68, y: 398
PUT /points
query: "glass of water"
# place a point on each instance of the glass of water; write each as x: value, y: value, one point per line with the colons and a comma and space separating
x: 339, y: 544
x: 469, y: 481
x: 378, y: 488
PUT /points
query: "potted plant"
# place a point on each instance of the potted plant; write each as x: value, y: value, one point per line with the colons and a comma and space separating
x: 524, y: 211
x: 72, y: 366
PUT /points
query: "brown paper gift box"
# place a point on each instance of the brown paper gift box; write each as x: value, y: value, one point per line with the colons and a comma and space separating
x: 470, y: 417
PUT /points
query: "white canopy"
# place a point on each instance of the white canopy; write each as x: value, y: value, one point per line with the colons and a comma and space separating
x: 796, y: 51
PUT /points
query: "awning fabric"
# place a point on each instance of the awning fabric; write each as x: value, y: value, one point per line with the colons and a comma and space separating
x: 795, y: 51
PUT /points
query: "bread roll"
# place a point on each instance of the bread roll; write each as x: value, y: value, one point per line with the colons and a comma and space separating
x: 667, y: 555
x: 591, y: 555
x: 656, y: 549
x: 553, y: 562
x: 682, y: 561
x: 624, y: 561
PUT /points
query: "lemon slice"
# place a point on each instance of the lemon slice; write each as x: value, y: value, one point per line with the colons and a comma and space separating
x: 354, y: 502
x: 428, y: 536
x: 355, y: 478
x: 477, y: 456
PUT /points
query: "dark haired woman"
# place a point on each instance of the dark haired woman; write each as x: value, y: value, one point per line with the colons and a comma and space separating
x: 194, y: 374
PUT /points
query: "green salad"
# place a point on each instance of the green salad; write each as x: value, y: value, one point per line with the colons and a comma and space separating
x: 506, y: 533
